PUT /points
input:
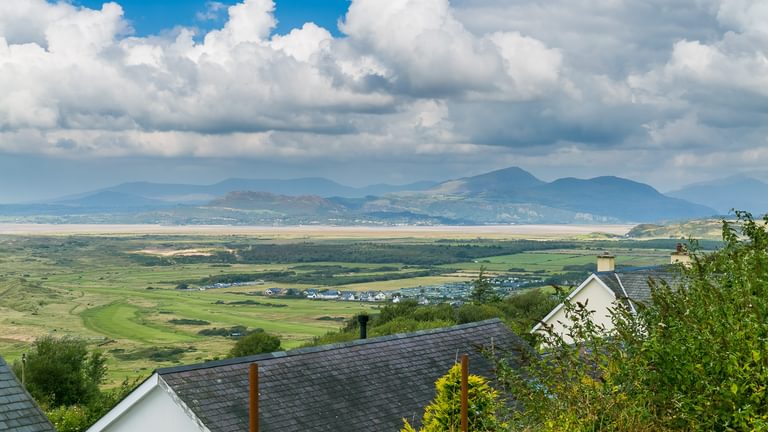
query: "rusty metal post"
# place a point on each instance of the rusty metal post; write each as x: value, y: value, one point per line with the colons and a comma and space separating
x: 464, y: 393
x: 253, y: 397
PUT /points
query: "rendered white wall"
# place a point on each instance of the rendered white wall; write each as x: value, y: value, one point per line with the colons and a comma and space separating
x: 600, y: 300
x: 156, y: 412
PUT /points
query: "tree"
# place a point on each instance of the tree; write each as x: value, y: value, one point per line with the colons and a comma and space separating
x: 523, y: 310
x: 61, y: 371
x: 482, y: 290
x: 694, y: 359
x: 255, y: 343
x: 78, y: 418
x: 444, y: 413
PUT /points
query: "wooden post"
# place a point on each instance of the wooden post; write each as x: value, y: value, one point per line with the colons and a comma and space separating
x: 464, y: 393
x: 253, y: 397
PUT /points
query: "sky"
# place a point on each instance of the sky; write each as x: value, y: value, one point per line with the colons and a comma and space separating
x: 368, y: 91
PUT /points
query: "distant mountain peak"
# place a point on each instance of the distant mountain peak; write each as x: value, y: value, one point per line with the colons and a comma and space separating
x: 504, y: 182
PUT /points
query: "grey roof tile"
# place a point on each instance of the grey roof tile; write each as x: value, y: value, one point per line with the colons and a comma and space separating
x: 18, y: 411
x: 366, y: 385
x: 636, y: 281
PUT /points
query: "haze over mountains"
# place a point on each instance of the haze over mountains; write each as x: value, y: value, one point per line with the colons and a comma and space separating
x: 735, y: 192
x: 510, y: 195
x: 201, y: 194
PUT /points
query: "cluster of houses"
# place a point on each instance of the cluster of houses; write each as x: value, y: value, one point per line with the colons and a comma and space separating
x: 366, y: 296
x: 446, y: 292
x: 393, y: 376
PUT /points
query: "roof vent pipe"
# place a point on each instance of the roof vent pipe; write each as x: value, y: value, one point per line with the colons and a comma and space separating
x: 363, y: 321
x: 253, y: 398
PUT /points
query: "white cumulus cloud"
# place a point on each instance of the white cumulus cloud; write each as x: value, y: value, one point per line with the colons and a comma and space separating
x: 566, y: 81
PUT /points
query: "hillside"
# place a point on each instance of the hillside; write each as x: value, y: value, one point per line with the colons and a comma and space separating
x: 617, y: 198
x: 710, y: 229
x: 507, y: 183
x: 287, y: 205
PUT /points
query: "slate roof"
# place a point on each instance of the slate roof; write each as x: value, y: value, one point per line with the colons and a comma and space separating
x: 18, y: 411
x: 634, y: 281
x: 365, y: 385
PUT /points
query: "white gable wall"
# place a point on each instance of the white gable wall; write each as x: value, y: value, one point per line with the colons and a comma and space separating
x: 149, y: 408
x: 600, y: 297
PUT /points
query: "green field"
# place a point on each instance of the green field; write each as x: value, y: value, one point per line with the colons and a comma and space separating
x: 119, y: 292
x: 557, y: 261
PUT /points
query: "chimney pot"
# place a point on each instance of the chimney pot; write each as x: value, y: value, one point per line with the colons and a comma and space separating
x: 363, y: 321
x: 680, y: 256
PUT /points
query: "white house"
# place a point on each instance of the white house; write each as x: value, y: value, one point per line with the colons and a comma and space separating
x: 608, y: 288
x: 329, y: 295
x: 153, y: 406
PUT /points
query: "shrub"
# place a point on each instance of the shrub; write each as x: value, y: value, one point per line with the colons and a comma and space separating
x: 255, y: 343
x: 444, y: 413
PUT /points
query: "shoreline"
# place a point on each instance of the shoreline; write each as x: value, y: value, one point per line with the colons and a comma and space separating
x: 431, y: 230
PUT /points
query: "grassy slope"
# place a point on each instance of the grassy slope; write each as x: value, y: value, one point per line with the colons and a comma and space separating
x: 89, y: 287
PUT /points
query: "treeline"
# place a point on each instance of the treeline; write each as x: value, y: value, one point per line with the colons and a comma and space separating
x: 320, y: 277
x: 436, y: 253
x: 360, y: 252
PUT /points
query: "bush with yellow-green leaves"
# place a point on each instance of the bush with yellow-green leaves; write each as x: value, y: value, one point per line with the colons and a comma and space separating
x: 444, y: 413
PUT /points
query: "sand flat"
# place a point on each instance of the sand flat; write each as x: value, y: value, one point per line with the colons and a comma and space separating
x: 437, y: 231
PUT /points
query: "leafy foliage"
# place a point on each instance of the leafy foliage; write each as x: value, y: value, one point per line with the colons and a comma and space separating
x: 62, y: 371
x: 692, y: 360
x: 64, y: 377
x: 358, y: 252
x: 255, y: 343
x: 444, y: 413
x: 78, y: 418
x: 520, y: 311
x: 482, y: 290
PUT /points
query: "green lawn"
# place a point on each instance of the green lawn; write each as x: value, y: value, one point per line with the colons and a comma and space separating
x: 123, y: 321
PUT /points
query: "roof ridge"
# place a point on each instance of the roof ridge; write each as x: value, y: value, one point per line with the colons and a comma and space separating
x: 321, y: 348
x: 662, y: 268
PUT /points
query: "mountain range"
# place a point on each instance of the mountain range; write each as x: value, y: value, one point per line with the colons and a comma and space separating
x: 201, y: 194
x: 510, y: 195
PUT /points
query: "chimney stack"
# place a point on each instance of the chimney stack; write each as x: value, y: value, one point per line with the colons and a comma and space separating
x: 606, y: 262
x: 680, y: 256
x: 363, y: 321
